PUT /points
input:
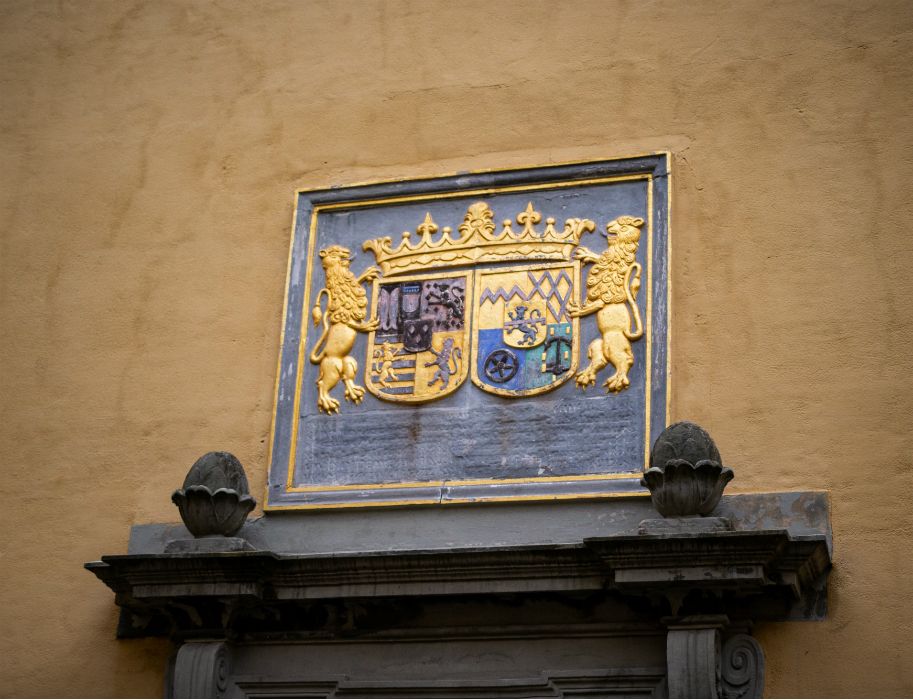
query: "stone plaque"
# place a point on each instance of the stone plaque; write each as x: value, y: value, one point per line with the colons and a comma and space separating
x: 479, y: 337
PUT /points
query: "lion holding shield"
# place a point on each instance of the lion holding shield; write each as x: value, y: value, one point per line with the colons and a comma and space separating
x: 347, y: 308
x: 612, y: 288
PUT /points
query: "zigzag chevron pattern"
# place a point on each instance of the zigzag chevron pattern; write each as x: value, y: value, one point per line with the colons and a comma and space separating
x: 553, y: 292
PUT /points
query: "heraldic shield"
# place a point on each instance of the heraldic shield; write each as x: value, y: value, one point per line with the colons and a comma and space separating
x: 419, y: 351
x: 524, y: 340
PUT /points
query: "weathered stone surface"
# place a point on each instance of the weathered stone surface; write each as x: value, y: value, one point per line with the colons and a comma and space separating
x: 215, y: 499
x: 662, y: 526
x: 699, y: 667
x: 682, y: 489
x: 693, y: 657
x: 684, y: 441
x: 675, y: 566
x: 562, y: 522
x: 216, y: 543
x: 765, y: 570
x: 433, y: 658
x: 201, y: 670
x: 218, y: 470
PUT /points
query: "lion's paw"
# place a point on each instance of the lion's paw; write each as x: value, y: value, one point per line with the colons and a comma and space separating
x: 327, y: 404
x: 585, y: 379
x: 354, y: 394
x: 582, y: 253
x: 616, y: 383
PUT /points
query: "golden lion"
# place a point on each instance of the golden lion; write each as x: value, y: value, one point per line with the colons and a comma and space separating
x: 347, y: 305
x: 612, y: 286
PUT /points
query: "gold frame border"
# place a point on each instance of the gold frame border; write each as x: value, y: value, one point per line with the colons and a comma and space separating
x: 453, y: 195
x: 541, y: 498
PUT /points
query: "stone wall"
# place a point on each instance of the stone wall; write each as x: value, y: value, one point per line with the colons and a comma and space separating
x: 148, y: 157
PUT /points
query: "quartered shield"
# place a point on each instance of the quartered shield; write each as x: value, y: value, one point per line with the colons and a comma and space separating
x: 420, y: 349
x: 524, y: 341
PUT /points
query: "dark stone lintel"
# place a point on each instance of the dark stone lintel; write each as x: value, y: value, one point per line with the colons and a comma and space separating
x: 770, y: 568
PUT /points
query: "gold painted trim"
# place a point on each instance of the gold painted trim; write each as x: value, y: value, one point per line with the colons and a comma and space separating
x: 467, y: 482
x: 648, y: 325
x: 463, y: 501
x: 371, y: 504
x: 546, y: 479
x: 312, y: 238
x: 293, y: 446
x: 360, y: 487
x: 551, y: 497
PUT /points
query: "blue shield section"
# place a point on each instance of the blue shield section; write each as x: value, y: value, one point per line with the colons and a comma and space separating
x: 521, y: 370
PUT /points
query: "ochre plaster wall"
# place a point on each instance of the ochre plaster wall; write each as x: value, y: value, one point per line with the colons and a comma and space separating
x: 148, y: 156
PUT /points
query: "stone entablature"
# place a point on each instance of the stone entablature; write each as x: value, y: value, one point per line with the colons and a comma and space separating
x: 667, y: 614
x: 663, y: 607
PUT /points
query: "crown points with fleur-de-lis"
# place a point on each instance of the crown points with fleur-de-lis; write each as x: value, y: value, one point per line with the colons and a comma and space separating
x: 479, y: 241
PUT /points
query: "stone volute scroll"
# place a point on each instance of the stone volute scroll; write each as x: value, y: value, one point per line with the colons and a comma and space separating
x: 201, y: 670
x: 214, y: 503
x: 742, y: 668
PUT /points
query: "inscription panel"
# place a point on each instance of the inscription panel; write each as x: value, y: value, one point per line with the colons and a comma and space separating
x: 490, y: 336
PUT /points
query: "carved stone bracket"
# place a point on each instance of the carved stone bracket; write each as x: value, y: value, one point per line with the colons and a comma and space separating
x: 698, y: 666
x: 201, y: 670
x: 742, y: 668
x: 693, y: 657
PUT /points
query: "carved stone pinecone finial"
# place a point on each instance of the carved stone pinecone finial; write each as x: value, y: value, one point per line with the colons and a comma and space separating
x: 686, y: 476
x: 215, y: 499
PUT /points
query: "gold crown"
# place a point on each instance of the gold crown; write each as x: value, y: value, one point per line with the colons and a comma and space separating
x: 477, y: 242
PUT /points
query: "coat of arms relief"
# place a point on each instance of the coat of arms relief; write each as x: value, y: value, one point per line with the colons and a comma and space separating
x: 502, y: 305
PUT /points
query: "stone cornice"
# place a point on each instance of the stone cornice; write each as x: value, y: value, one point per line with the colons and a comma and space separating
x: 759, y: 563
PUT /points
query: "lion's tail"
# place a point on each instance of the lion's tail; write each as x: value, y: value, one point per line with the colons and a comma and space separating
x: 457, y: 357
x: 318, y: 315
x: 638, y: 331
